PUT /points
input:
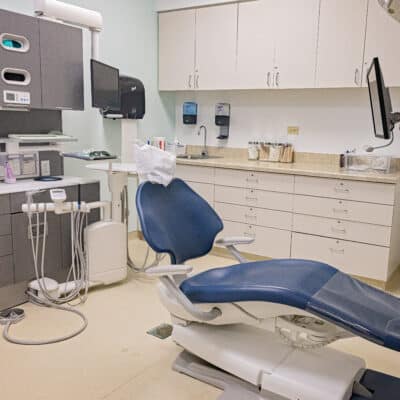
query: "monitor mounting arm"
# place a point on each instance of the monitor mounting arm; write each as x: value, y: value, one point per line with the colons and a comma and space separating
x: 74, y: 15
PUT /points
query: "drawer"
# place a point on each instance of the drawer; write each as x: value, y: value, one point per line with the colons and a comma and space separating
x: 195, y: 174
x: 352, y: 258
x: 347, y: 230
x: 5, y: 204
x: 255, y: 216
x: 5, y: 225
x: 269, y: 242
x: 205, y: 190
x: 254, y: 180
x: 370, y: 192
x: 254, y: 198
x: 6, y: 271
x: 369, y: 213
x: 6, y: 247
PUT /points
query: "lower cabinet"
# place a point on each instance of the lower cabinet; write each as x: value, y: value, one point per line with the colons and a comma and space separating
x: 352, y: 258
x: 268, y: 242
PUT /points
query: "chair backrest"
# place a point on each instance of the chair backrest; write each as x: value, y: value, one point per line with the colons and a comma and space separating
x: 176, y: 220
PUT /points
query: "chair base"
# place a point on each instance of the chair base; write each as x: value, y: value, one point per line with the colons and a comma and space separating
x: 384, y: 387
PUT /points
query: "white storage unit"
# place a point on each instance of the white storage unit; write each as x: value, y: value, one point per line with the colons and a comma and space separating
x: 351, y: 225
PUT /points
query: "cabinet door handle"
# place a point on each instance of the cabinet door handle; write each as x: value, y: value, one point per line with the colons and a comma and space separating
x: 269, y: 79
x: 340, y: 211
x: 338, y: 230
x: 277, y: 79
x: 190, y: 81
x: 357, y: 77
x: 336, y: 251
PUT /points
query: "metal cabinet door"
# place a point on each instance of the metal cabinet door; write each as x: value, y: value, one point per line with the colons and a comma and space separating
x: 61, y: 55
x: 25, y: 27
x: 23, y: 258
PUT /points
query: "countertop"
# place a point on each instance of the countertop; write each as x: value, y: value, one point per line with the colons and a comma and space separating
x: 29, y: 184
x: 306, y: 169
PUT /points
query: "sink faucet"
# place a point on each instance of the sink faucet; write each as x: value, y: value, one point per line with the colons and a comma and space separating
x: 204, y: 152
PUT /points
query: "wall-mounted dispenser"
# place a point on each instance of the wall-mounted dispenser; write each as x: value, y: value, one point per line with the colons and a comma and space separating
x: 222, y: 119
x: 190, y: 113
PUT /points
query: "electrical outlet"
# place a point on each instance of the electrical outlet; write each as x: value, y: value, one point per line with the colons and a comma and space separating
x: 293, y: 130
x: 45, y: 168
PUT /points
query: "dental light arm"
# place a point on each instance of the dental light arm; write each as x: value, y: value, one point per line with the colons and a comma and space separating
x: 74, y: 15
x: 231, y: 242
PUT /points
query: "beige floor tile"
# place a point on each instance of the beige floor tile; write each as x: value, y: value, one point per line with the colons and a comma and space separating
x: 114, y: 359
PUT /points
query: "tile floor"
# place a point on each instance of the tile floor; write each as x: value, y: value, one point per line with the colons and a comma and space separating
x: 114, y: 359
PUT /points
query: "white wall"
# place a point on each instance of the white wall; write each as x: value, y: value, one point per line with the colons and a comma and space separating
x: 331, y: 121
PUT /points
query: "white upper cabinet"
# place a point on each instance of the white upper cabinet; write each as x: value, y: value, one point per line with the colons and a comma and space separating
x: 256, y: 45
x: 383, y: 34
x: 296, y: 43
x: 341, y: 43
x: 216, y: 42
x: 177, y: 50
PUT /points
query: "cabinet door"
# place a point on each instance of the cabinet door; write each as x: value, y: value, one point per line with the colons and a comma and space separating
x: 25, y: 30
x: 176, y: 50
x: 381, y: 41
x: 216, y: 46
x: 341, y: 43
x: 256, y: 45
x: 296, y: 43
x: 62, y: 66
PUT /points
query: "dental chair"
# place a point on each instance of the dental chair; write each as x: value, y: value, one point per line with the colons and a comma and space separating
x: 261, y: 330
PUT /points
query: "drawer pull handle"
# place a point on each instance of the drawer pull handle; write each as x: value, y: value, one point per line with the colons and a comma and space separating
x: 250, y: 235
x: 251, y: 216
x: 255, y: 180
x: 338, y: 230
x: 340, y: 211
x: 341, y: 189
x: 337, y: 251
x: 251, y: 199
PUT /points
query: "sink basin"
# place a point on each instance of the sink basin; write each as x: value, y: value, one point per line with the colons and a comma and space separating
x: 196, y: 157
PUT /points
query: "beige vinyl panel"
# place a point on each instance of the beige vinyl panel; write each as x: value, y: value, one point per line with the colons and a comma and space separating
x: 195, y: 174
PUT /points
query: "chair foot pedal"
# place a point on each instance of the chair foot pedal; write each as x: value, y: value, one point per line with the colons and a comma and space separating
x: 163, y: 331
x: 233, y: 388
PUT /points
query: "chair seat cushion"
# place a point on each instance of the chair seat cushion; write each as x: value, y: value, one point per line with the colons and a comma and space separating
x: 315, y: 287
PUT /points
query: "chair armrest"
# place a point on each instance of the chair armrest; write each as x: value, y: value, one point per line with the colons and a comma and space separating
x: 235, y: 240
x: 172, y: 270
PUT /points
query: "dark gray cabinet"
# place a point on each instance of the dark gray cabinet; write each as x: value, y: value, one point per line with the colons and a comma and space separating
x: 61, y: 58
x: 16, y: 260
x: 43, y: 58
x: 15, y: 62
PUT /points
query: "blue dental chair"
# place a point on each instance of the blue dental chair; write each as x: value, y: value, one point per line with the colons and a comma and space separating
x: 266, y: 325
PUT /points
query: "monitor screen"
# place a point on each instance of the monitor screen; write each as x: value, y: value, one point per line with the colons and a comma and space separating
x: 380, y: 102
x: 105, y: 86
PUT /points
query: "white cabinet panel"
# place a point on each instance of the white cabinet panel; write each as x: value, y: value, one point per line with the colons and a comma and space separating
x: 382, y: 41
x: 254, y: 198
x: 195, y: 174
x: 371, y: 192
x: 205, y: 190
x: 341, y: 43
x: 176, y: 50
x: 369, y: 213
x: 255, y: 216
x: 268, y: 242
x: 216, y: 42
x: 339, y: 229
x: 256, y: 45
x: 352, y: 258
x: 255, y: 180
x: 296, y: 43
